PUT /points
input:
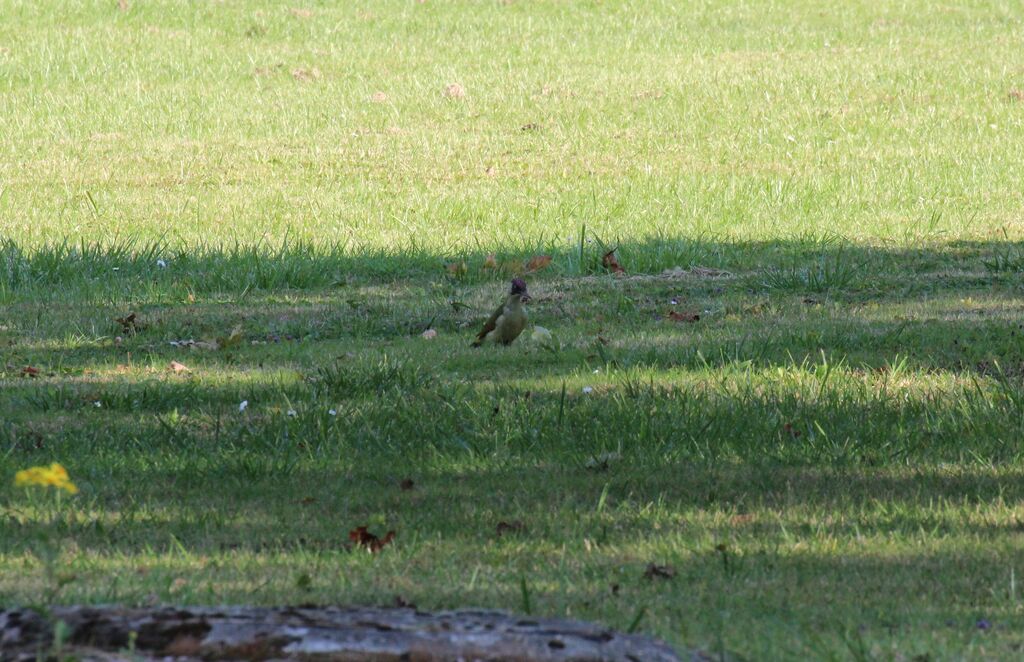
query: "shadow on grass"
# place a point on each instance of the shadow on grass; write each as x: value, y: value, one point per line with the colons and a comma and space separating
x: 309, y: 510
x: 138, y: 270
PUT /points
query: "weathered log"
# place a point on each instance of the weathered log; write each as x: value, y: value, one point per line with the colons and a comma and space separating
x: 333, y: 634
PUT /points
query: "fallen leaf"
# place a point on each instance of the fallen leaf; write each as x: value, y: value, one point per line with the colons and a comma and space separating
x: 300, y: 13
x: 532, y: 126
x: 406, y: 484
x: 538, y: 262
x: 490, y: 262
x: 454, y: 91
x: 683, y: 317
x: 123, y: 5
x: 515, y: 526
x: 29, y: 371
x: 491, y: 171
x: 456, y: 269
x: 179, y: 367
x: 305, y: 74
x: 379, y: 97
x: 659, y: 571
x: 128, y: 323
x: 611, y: 263
x: 741, y: 519
x: 363, y: 538
x: 429, y: 334
x: 1017, y: 95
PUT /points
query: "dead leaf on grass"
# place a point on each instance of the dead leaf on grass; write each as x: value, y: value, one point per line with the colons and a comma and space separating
x: 299, y: 12
x: 372, y: 543
x: 123, y: 5
x: 611, y: 262
x: 456, y: 269
x: 306, y: 74
x: 1016, y: 95
x: 490, y: 262
x: 129, y: 324
x: 179, y: 367
x: 379, y: 97
x: 685, y: 318
x: 29, y: 371
x: 538, y: 262
x: 454, y: 91
x: 655, y: 571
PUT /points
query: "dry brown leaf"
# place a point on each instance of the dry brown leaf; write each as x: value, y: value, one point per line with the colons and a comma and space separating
x: 538, y: 262
x: 454, y: 91
x: 306, y: 74
x: 611, y: 263
x: 490, y: 262
x: 128, y: 324
x: 379, y: 97
x: 179, y: 367
x: 687, y: 318
x: 659, y: 571
x: 123, y: 5
x: 491, y: 171
x: 1017, y: 95
x: 363, y: 538
x: 456, y: 268
x: 298, y: 12
x: 29, y: 371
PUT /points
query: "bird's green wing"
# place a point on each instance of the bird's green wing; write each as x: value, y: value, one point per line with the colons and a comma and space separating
x: 489, y: 325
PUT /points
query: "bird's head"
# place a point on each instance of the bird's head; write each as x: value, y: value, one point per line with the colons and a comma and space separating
x: 519, y: 288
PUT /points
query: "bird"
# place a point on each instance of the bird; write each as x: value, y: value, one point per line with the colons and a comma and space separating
x: 509, y: 320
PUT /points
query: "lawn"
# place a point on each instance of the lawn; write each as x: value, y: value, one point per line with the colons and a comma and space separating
x: 803, y: 401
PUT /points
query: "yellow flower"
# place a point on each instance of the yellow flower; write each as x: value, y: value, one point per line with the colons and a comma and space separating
x: 54, y: 475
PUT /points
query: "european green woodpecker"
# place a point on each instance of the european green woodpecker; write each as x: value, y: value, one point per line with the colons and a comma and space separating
x: 509, y: 320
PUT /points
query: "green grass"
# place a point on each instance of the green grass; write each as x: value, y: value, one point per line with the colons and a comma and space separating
x: 830, y: 459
